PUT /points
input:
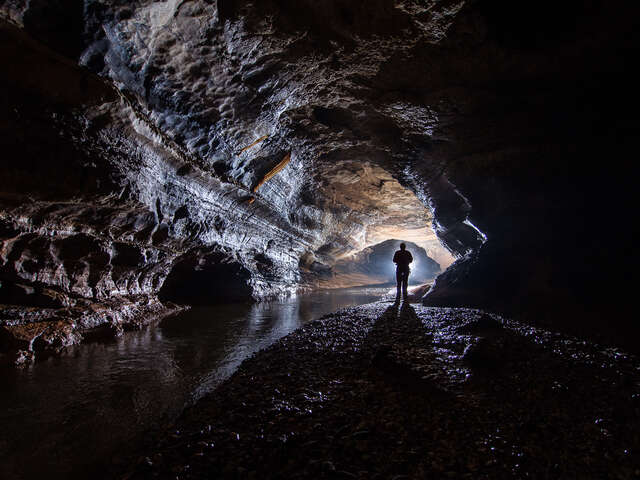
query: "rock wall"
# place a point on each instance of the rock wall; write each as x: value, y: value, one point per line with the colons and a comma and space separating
x: 541, y: 169
x: 147, y: 138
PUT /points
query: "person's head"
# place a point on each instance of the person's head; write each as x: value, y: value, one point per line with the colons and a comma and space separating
x: 403, y: 246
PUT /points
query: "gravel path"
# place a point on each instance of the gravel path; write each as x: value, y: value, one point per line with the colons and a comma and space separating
x: 404, y: 391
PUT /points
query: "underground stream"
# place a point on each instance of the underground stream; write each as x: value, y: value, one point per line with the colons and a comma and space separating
x: 103, y: 399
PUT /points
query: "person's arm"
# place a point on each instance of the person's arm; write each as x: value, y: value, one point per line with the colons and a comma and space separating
x: 395, y: 257
x: 409, y: 256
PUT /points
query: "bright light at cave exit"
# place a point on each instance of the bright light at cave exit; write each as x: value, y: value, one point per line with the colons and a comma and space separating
x: 415, y: 265
x: 393, y: 213
x: 423, y: 237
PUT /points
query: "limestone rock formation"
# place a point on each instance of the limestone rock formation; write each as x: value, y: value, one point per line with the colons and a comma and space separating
x: 138, y: 135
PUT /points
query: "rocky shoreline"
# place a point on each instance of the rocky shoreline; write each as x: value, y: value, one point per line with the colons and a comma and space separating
x: 31, y: 334
x: 399, y: 391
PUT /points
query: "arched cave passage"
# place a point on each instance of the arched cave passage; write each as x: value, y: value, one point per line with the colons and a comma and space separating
x: 373, y: 266
x: 205, y: 278
x: 369, y: 209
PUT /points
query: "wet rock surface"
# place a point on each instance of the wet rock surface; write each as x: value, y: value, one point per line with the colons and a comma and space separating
x: 31, y: 333
x: 392, y: 391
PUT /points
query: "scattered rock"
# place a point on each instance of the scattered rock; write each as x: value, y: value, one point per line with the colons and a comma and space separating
x: 24, y: 357
x: 484, y: 324
x: 486, y: 353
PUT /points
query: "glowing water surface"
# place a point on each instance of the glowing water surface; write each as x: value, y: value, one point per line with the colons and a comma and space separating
x: 74, y: 416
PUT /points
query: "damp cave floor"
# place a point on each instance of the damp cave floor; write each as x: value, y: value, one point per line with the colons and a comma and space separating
x: 396, y: 391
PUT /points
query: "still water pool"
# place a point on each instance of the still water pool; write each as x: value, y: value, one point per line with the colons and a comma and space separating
x: 74, y: 416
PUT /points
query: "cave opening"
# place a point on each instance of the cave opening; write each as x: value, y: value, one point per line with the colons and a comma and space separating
x: 206, y: 278
x: 370, y: 213
x: 373, y: 266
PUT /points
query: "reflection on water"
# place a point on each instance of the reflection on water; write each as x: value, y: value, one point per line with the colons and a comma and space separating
x: 69, y: 416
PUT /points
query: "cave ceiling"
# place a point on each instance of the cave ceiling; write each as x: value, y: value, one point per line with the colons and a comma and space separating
x: 242, y: 85
x: 238, y: 86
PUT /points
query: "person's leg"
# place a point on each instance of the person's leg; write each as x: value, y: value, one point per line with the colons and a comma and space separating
x: 398, y: 283
x: 405, y: 281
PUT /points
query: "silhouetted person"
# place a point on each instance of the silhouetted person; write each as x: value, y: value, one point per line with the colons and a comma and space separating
x: 402, y: 258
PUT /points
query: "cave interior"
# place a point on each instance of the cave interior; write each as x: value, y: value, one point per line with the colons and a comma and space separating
x: 167, y: 153
x: 265, y: 142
